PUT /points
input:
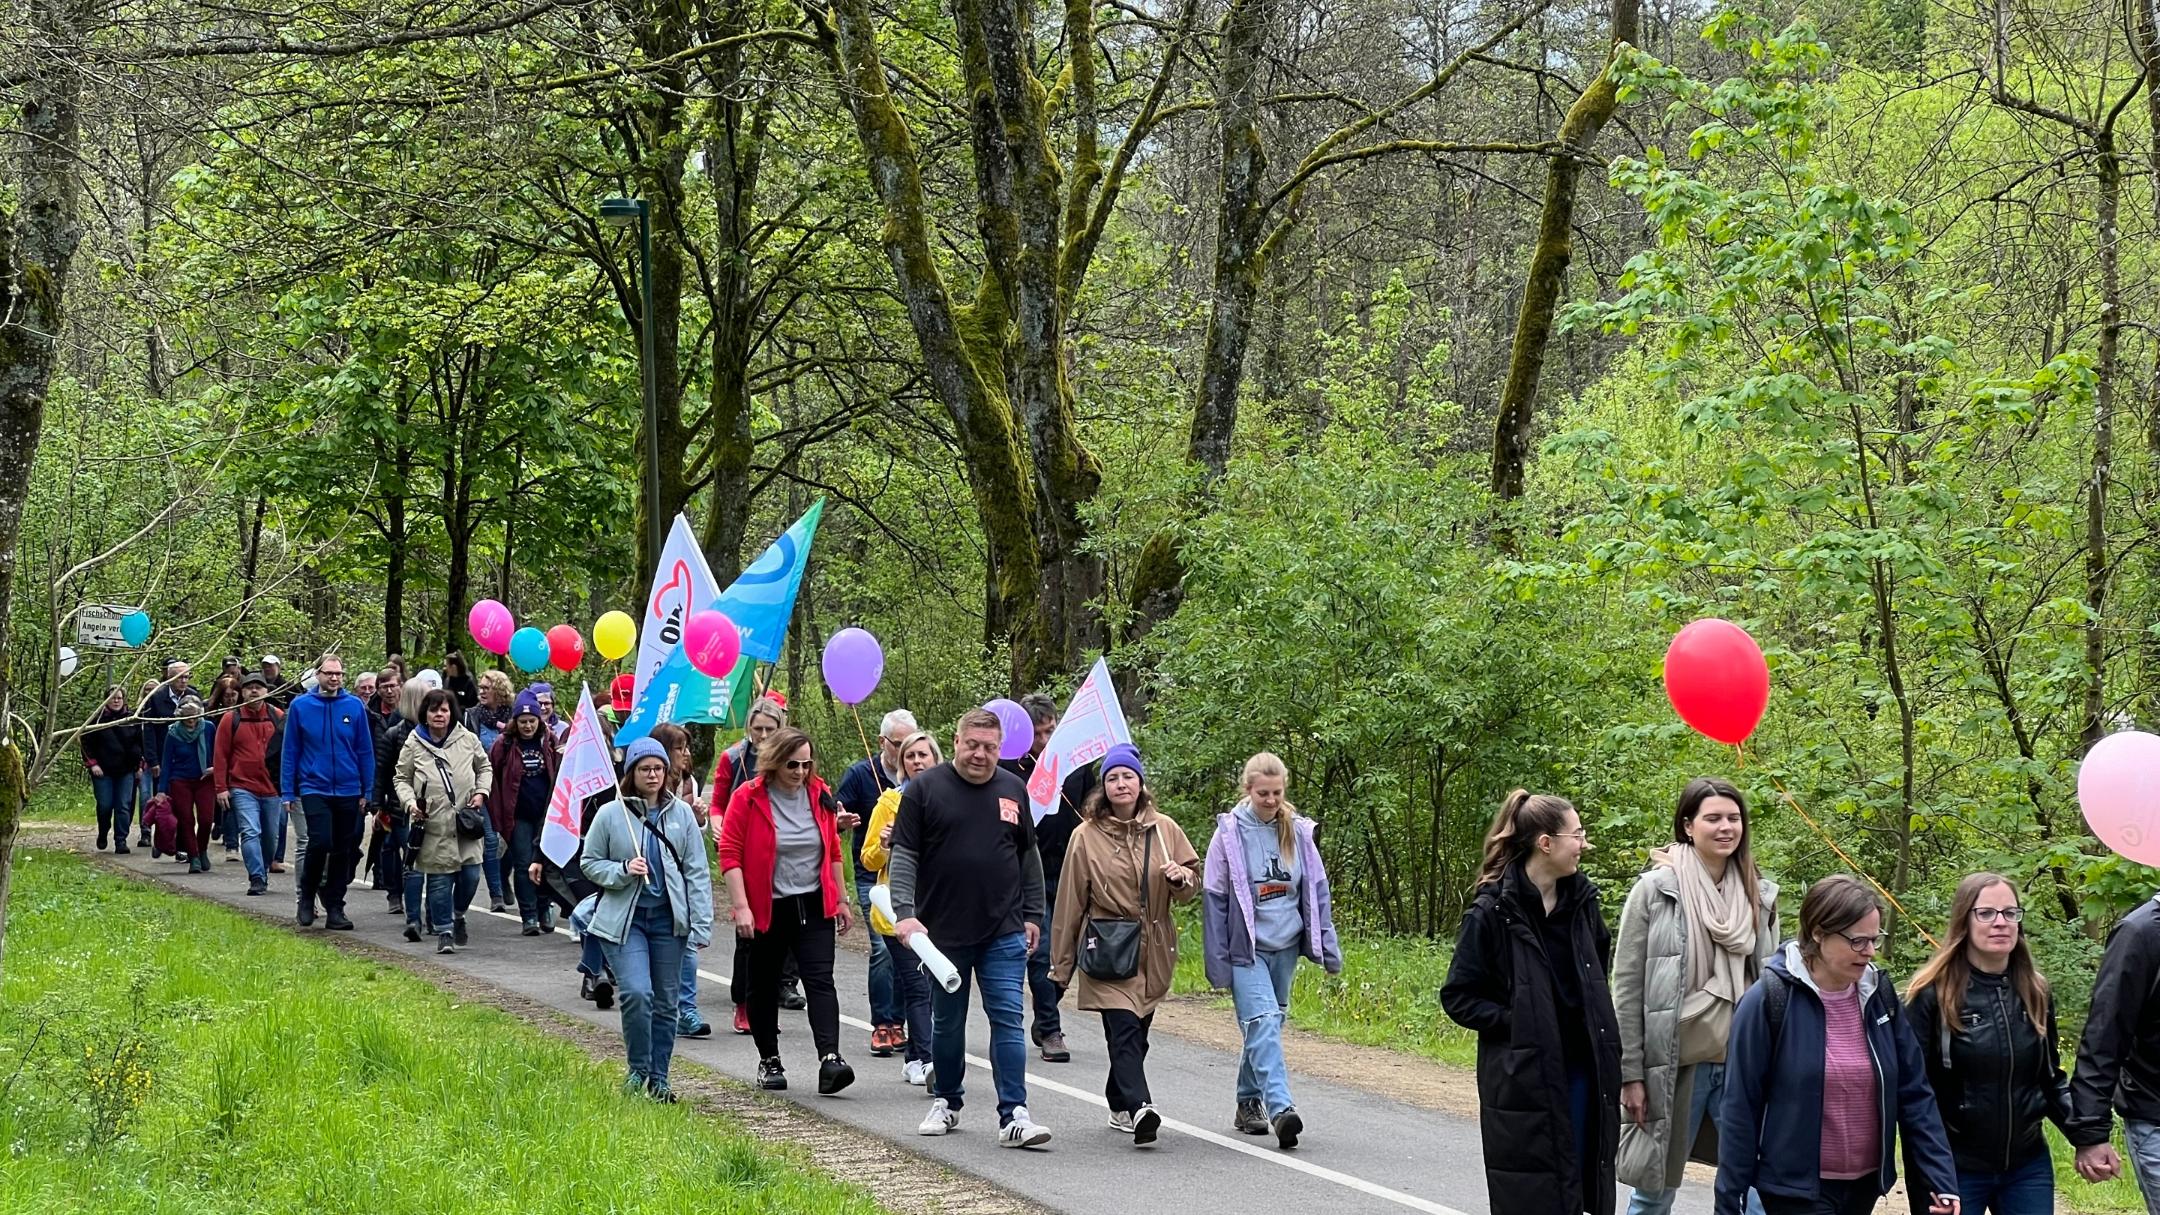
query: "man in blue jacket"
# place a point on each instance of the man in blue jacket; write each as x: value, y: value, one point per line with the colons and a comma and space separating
x: 328, y: 770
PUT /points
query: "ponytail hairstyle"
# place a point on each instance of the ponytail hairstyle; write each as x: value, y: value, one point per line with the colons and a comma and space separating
x: 1267, y: 764
x: 1524, y: 817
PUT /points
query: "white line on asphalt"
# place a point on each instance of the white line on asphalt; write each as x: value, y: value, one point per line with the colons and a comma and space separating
x: 1293, y: 1163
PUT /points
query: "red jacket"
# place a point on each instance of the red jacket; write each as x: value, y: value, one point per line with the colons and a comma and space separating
x: 240, y: 753
x: 751, y: 843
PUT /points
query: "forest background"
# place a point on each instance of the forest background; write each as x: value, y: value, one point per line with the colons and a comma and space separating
x: 1378, y: 382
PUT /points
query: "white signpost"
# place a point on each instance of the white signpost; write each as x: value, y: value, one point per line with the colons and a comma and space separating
x: 97, y: 625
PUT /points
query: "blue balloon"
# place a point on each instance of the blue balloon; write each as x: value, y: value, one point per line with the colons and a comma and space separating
x: 529, y: 649
x: 135, y: 628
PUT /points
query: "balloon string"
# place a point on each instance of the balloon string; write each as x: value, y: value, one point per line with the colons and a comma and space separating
x: 868, y: 752
x: 1850, y: 863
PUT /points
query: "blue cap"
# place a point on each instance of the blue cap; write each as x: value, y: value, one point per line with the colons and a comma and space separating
x: 644, y: 748
x: 1123, y: 755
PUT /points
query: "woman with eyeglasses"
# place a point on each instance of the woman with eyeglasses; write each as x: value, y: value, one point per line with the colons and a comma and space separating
x: 1986, y: 1021
x: 780, y: 854
x: 1529, y: 976
x: 1823, y: 1070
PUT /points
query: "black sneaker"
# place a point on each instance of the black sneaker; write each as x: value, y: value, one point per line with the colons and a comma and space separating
x: 833, y: 1074
x: 687, y: 1027
x: 791, y: 997
x: 306, y: 915
x: 397, y: 907
x: 547, y: 919
x: 446, y: 944
x: 412, y: 933
x: 771, y: 1076
x: 258, y: 886
x: 659, y: 1091
x: 531, y: 929
x: 104, y: 834
x: 1288, y: 1126
x: 497, y: 906
x: 457, y: 929
x: 120, y: 846
x: 603, y: 993
x: 336, y: 922
x: 1251, y: 1117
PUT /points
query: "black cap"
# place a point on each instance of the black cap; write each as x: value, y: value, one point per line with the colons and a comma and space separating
x: 254, y: 677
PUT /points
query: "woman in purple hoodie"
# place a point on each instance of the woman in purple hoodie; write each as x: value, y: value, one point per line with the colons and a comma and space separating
x: 1266, y: 905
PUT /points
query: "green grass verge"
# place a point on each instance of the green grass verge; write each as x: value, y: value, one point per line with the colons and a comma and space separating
x: 1388, y: 995
x: 161, y: 1054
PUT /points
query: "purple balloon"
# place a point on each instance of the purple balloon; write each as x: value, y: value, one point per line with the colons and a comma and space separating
x: 854, y: 663
x: 1019, y: 728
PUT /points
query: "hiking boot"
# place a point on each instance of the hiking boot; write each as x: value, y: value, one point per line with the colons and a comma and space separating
x: 771, y: 1076
x: 634, y: 1085
x: 693, y: 1027
x: 1251, y: 1117
x: 1145, y: 1122
x: 306, y: 914
x: 659, y: 1091
x: 1020, y: 1131
x: 742, y: 1019
x: 833, y: 1074
x: 1288, y: 1126
x: 1054, y: 1050
x: 457, y: 929
x: 336, y: 922
x: 791, y: 997
x: 940, y: 1119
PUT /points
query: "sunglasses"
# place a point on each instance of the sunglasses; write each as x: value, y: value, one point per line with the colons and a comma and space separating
x: 800, y: 765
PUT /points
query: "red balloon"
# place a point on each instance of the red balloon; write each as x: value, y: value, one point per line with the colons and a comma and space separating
x: 1717, y: 680
x: 565, y: 648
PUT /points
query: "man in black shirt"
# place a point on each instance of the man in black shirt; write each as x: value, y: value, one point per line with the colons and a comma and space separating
x: 965, y: 870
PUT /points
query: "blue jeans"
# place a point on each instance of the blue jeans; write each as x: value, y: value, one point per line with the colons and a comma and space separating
x: 1261, y: 992
x: 228, y: 825
x: 115, y: 802
x: 884, y: 1001
x: 649, y: 948
x: 261, y: 818
x: 912, y: 988
x: 2027, y: 1189
x: 687, y: 1009
x: 1042, y: 993
x: 592, y: 959
x: 1704, y: 1098
x: 1000, y: 967
x: 2143, y: 1140
x: 491, y: 850
x: 448, y: 895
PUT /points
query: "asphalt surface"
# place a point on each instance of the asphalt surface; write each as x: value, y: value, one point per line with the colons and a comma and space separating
x: 1360, y: 1152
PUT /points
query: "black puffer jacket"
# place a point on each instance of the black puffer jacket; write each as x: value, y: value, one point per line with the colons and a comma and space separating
x: 117, y: 748
x: 1997, y: 1079
x: 1503, y: 984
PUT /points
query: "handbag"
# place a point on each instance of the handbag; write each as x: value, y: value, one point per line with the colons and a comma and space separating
x: 1705, y: 1025
x: 471, y: 821
x: 1110, y: 949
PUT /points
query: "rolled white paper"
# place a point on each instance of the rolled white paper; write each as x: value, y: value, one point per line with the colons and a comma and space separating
x: 939, y: 966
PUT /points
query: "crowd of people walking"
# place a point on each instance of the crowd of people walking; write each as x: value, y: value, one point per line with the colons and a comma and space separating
x: 1696, y: 1032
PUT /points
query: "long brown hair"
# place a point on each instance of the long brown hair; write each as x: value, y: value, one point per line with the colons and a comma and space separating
x: 1097, y: 804
x: 1700, y: 790
x: 1523, y: 817
x: 1950, y: 970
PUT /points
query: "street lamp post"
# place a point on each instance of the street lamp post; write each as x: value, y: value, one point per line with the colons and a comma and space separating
x: 619, y: 213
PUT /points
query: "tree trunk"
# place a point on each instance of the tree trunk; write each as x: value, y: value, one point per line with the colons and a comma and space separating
x: 39, y: 233
x: 2107, y: 216
x: 1547, y: 277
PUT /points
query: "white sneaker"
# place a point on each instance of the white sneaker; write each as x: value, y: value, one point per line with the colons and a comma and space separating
x: 1121, y: 1122
x: 939, y: 1120
x: 915, y: 1072
x: 1022, y: 1132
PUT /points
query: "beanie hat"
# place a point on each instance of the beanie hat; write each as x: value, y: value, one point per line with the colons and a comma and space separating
x: 644, y: 748
x: 527, y: 702
x: 1123, y: 755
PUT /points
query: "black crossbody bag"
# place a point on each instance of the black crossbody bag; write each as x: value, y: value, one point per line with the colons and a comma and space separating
x: 1111, y: 948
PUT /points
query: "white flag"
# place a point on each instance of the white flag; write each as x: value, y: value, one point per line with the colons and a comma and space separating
x: 586, y: 770
x: 1093, y: 723
x: 682, y: 586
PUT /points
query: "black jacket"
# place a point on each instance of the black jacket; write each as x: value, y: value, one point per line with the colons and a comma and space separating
x: 1502, y: 983
x: 2118, y: 1062
x: 387, y: 745
x: 1996, y: 1080
x: 118, y: 749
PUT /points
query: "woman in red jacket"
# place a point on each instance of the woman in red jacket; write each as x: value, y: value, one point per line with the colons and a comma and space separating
x: 780, y: 853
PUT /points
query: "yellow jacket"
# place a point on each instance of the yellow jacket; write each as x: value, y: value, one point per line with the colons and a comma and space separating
x: 876, y: 856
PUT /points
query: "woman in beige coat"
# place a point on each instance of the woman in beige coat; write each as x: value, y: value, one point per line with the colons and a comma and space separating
x: 1125, y: 866
x: 442, y: 769
x: 1694, y: 934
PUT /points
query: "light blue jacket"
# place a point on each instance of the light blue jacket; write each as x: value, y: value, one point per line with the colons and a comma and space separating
x: 616, y: 837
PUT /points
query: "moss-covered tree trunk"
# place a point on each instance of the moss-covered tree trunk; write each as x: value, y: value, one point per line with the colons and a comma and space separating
x: 1546, y: 280
x: 39, y: 233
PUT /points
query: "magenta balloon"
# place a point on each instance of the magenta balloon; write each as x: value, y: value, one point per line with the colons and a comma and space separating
x: 491, y: 625
x: 712, y: 643
x: 1019, y: 728
x: 854, y: 662
x: 2119, y: 790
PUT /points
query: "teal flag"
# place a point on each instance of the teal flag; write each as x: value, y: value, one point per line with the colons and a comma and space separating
x: 679, y: 692
x: 763, y: 599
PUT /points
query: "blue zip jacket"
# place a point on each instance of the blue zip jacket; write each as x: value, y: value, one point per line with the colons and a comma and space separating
x: 1770, y: 1127
x: 329, y: 749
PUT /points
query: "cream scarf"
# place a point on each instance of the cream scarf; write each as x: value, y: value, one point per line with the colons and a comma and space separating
x: 1721, y: 924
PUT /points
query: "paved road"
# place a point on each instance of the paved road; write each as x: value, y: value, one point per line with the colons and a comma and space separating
x: 1360, y: 1152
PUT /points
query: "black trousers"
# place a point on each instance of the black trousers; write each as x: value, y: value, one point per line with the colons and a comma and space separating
x: 738, y: 988
x: 1832, y: 1198
x: 333, y: 852
x: 1127, y: 1035
x: 800, y: 930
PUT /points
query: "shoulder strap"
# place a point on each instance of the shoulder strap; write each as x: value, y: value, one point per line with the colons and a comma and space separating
x: 1777, y: 993
x: 1147, y: 854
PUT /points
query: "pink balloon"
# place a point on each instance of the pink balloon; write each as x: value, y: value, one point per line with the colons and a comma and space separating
x: 2119, y: 790
x: 713, y: 643
x: 492, y: 625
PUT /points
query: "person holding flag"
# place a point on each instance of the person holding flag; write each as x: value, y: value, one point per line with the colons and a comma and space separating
x: 647, y: 855
x: 584, y: 777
